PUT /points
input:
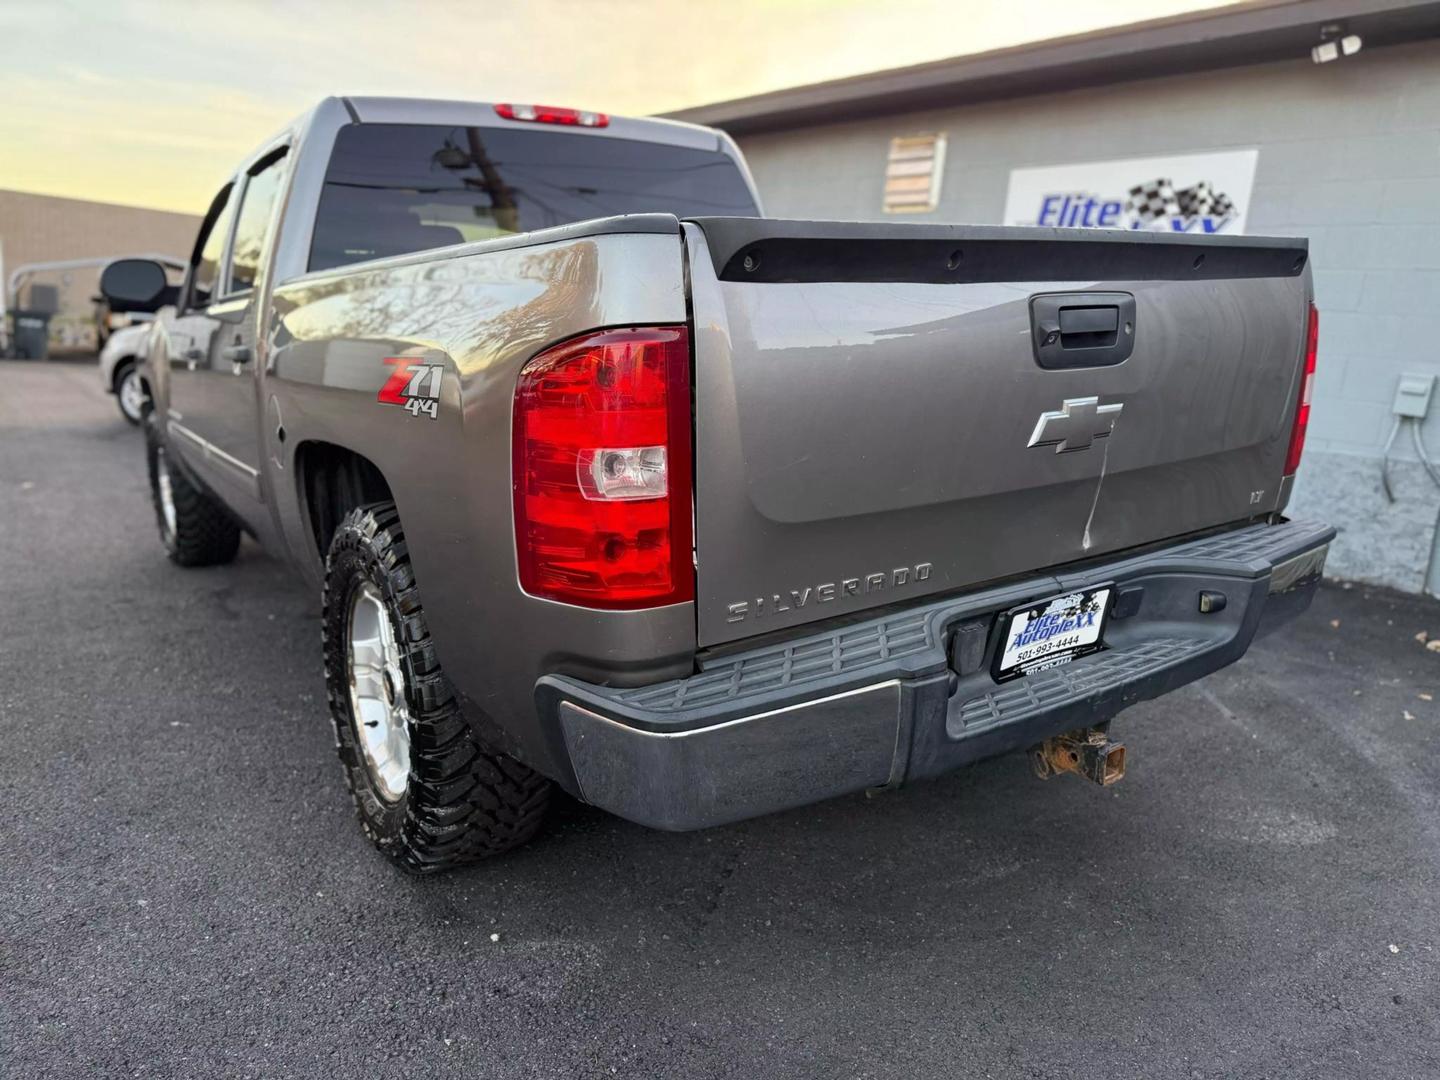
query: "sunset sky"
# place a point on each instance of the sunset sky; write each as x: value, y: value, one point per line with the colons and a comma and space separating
x: 149, y: 102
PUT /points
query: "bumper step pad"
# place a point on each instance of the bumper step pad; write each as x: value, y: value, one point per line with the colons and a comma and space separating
x: 1044, y: 690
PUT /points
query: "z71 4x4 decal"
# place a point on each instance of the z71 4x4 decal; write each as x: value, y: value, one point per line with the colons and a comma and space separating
x: 413, y: 385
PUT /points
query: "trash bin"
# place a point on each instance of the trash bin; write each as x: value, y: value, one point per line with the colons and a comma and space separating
x: 32, y: 335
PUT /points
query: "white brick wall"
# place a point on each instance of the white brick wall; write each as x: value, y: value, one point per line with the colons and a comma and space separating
x: 1349, y: 156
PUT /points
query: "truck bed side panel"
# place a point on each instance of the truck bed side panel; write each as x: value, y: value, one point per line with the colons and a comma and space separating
x: 480, y: 312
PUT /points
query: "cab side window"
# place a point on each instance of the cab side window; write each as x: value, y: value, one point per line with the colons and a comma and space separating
x: 257, y: 205
x: 205, y: 277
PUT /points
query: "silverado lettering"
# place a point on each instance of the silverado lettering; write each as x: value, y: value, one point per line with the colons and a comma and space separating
x: 827, y: 592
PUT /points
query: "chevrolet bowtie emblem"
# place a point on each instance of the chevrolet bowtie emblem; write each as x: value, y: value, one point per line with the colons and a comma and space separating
x: 1077, y: 423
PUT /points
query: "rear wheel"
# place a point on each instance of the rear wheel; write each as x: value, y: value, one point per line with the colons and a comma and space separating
x: 430, y: 795
x: 131, y: 394
x: 195, y: 529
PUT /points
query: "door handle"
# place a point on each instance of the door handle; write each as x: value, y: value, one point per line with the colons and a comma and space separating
x: 1087, y: 327
x: 1072, y: 330
x: 236, y: 354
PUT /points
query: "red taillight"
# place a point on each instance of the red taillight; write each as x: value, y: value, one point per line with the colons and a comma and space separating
x: 1307, y: 384
x: 549, y: 114
x: 602, y: 470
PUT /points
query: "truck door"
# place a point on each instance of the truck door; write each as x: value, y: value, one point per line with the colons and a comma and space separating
x: 193, y: 328
x: 231, y: 414
x: 223, y: 417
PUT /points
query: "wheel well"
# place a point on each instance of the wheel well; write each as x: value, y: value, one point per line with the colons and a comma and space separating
x: 334, y: 481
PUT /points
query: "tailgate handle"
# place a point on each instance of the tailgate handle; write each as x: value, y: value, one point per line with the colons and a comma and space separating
x: 1082, y: 329
x: 1077, y: 321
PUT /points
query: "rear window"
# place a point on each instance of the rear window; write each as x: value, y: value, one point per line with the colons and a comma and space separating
x: 396, y: 188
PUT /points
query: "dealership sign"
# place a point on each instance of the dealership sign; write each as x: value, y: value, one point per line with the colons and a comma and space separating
x: 1191, y: 193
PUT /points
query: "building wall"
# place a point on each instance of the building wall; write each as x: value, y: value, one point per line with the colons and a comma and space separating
x: 42, y: 228
x: 1349, y: 157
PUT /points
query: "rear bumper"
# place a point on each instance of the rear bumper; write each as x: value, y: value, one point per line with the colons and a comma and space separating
x: 909, y: 694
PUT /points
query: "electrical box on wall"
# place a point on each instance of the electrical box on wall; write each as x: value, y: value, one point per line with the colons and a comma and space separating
x: 1412, y: 396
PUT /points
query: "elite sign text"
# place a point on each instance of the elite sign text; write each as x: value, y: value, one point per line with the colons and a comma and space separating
x: 1203, y: 193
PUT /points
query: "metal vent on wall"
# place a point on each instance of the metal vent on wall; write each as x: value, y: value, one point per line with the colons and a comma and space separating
x: 913, y: 172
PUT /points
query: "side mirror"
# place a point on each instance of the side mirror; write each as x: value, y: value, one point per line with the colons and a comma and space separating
x: 133, y: 284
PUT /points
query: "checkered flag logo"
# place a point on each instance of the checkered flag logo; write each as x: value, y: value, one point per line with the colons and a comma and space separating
x: 1197, y: 200
x: 1159, y: 201
x: 1154, y: 201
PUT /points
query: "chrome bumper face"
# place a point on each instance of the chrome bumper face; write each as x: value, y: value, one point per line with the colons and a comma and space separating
x: 737, y: 768
x: 910, y: 694
x: 1305, y: 568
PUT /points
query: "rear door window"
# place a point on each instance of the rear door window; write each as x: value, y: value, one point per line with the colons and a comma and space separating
x: 397, y: 188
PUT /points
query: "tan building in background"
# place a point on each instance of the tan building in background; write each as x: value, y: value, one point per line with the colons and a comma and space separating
x: 42, y: 228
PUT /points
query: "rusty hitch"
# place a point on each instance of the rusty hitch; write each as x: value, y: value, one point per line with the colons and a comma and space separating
x: 1087, y: 752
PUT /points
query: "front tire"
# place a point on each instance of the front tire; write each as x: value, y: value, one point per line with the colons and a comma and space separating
x: 195, y: 529
x: 430, y: 795
x: 131, y: 394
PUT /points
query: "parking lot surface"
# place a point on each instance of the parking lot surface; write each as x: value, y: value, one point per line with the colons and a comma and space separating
x: 184, y: 891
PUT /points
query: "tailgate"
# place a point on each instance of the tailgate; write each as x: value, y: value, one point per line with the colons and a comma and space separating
x: 884, y: 412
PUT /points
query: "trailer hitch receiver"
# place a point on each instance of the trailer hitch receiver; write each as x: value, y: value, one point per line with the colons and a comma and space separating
x: 1087, y: 752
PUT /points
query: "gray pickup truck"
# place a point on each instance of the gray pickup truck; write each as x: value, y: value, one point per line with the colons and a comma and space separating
x: 605, y: 480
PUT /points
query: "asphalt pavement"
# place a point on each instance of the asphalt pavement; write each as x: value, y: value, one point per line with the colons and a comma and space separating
x: 184, y: 891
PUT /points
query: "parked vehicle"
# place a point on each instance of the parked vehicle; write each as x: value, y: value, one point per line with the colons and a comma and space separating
x: 123, y: 335
x: 604, y: 480
x: 120, y: 372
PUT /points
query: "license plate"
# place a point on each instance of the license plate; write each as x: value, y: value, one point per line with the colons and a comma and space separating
x: 1052, y: 632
